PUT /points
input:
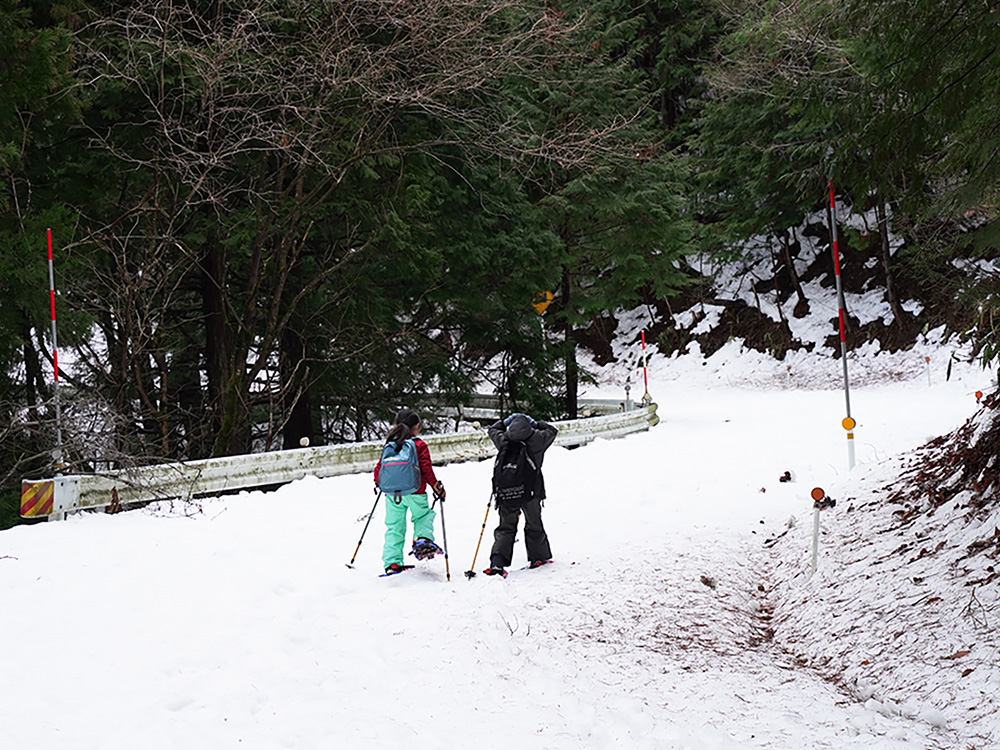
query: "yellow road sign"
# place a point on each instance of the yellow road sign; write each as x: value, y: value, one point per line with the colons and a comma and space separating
x: 541, y: 301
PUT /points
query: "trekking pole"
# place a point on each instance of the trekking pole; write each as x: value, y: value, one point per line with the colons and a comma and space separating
x: 444, y: 537
x: 378, y: 494
x: 471, y: 573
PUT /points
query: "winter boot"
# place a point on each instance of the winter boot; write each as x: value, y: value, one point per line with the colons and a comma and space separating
x: 496, y: 572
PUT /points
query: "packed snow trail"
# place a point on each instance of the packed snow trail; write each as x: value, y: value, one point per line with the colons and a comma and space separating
x: 235, y: 622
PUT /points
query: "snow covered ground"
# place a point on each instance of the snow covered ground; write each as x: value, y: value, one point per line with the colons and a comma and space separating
x: 679, y: 613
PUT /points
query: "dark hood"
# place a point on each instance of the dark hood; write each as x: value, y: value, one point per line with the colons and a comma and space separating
x: 519, y: 429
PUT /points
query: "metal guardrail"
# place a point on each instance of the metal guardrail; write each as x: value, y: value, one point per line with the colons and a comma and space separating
x: 480, y: 407
x: 53, y: 498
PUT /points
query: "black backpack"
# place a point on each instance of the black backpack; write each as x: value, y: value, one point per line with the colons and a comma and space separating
x: 515, y: 475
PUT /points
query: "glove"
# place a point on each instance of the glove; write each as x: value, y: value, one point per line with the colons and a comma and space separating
x: 508, y: 420
x: 438, y: 488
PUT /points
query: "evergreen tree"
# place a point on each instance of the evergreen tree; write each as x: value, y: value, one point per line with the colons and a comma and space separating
x: 618, y: 219
x: 37, y: 105
x: 930, y: 71
x: 260, y: 237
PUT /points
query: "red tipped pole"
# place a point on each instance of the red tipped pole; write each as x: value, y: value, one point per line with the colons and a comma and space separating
x: 57, y: 454
x: 645, y: 379
x: 848, y: 422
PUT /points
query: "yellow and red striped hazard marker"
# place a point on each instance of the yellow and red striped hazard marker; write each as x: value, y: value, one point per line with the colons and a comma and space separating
x: 37, y: 498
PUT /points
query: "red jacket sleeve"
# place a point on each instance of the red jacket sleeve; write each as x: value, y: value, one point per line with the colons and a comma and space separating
x: 426, y: 469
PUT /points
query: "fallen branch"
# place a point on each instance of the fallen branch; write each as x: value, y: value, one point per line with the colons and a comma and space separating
x: 511, y: 629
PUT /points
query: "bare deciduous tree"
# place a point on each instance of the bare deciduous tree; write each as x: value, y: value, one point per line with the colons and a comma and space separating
x: 247, y: 122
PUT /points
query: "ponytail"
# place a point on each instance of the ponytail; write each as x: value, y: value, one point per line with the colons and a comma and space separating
x: 397, y: 435
x: 406, y: 420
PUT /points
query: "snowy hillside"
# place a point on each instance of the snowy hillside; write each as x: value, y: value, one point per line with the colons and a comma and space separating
x: 747, y: 307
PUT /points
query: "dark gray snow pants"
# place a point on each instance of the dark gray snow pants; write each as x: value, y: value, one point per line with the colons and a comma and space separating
x: 536, y: 541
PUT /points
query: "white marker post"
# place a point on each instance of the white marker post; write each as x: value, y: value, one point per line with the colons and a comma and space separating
x: 849, y: 424
x: 820, y: 501
x: 927, y: 360
x: 816, y: 491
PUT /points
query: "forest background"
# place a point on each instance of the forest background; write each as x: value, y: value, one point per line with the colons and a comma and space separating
x: 277, y: 219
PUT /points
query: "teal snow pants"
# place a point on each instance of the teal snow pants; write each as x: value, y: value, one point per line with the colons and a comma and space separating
x: 395, y: 525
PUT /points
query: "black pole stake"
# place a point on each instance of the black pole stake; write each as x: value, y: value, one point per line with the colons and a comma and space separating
x: 378, y: 494
x: 444, y: 538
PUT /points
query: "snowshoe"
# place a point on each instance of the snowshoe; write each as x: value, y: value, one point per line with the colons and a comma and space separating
x: 424, y: 549
x: 394, y: 569
x: 496, y: 572
x: 537, y: 564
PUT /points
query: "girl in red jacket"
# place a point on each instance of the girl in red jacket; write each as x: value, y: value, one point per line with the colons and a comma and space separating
x: 408, y: 426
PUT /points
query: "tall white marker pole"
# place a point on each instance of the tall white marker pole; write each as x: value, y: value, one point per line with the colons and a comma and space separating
x: 646, y: 398
x: 848, y: 422
x: 57, y: 453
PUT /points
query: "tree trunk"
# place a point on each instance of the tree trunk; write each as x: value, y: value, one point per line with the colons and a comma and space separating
x: 296, y: 404
x: 229, y: 411
x: 233, y: 437
x: 802, y: 306
x: 34, y: 378
x: 572, y: 373
x: 890, y: 288
x: 216, y: 336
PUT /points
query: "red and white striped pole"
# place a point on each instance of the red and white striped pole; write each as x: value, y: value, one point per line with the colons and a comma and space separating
x: 848, y: 422
x: 646, y: 398
x: 57, y: 454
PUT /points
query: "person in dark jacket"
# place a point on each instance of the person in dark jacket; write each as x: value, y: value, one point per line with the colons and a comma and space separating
x: 537, y: 436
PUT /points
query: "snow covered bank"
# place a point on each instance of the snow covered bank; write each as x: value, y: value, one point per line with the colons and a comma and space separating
x: 665, y: 622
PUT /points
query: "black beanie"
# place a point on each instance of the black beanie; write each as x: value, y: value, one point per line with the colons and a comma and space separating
x: 408, y: 417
